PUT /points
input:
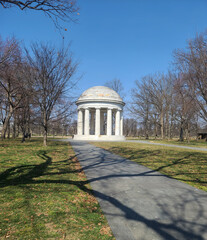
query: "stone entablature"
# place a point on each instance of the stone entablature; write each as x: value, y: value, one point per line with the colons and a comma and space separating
x: 100, y: 115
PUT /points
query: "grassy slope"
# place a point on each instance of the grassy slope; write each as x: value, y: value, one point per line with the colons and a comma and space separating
x: 192, y: 143
x: 45, y: 195
x: 185, y: 165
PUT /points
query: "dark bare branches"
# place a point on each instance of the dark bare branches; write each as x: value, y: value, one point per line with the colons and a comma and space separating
x: 52, y: 74
x: 117, y: 86
x: 9, y: 49
x: 192, y: 63
x: 63, y: 10
x: 163, y: 105
x: 12, y: 81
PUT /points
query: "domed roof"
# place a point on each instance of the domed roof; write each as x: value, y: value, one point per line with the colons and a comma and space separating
x: 100, y: 93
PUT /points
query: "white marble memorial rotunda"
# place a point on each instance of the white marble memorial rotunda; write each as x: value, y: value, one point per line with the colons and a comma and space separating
x: 100, y: 115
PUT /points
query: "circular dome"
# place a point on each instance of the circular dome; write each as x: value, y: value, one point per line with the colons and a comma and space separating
x: 100, y: 93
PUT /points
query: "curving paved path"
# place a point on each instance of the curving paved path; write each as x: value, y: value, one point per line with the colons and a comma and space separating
x: 139, y: 203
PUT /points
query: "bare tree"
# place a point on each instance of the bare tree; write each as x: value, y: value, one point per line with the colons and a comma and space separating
x: 61, y: 119
x: 171, y: 108
x: 52, y: 74
x: 192, y: 63
x: 117, y: 86
x: 159, y: 86
x: 24, y: 115
x: 8, y: 49
x: 130, y: 127
x: 55, y: 9
x: 140, y: 108
x: 11, y: 81
x: 186, y: 106
x: 151, y: 100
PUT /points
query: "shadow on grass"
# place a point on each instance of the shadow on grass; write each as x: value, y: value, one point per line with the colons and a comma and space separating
x: 25, y: 173
x: 144, y: 157
x: 175, y: 221
x: 176, y: 226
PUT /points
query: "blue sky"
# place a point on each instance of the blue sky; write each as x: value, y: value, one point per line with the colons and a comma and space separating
x: 115, y: 38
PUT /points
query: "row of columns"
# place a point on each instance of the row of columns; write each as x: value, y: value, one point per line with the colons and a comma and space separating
x: 84, y: 122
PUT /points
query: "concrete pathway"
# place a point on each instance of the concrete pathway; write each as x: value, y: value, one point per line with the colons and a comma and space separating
x: 140, y: 203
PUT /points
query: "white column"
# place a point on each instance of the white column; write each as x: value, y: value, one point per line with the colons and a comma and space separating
x: 97, y: 125
x: 122, y: 123
x: 109, y: 122
x: 86, y: 122
x: 80, y: 122
x: 117, y: 123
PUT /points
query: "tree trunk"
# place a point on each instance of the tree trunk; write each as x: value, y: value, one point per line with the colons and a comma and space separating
x: 155, y: 129
x: 8, y: 130
x: 14, y: 129
x: 5, y: 125
x: 181, y: 133
x: 23, y: 136
x: 45, y: 137
x: 188, y: 133
x: 162, y: 125
x: 3, y: 132
x: 167, y: 126
x: 45, y: 130
x: 146, y: 131
x: 17, y: 135
x: 171, y: 128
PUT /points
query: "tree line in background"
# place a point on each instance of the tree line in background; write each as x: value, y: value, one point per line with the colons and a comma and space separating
x: 172, y: 104
x: 33, y: 83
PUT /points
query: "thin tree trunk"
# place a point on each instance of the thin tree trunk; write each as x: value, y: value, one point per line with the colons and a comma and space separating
x: 171, y: 128
x: 17, y: 135
x: 187, y: 135
x: 146, y: 131
x: 5, y: 125
x: 155, y: 129
x: 28, y: 125
x: 45, y: 137
x: 8, y: 130
x: 169, y: 131
x: 23, y: 135
x: 181, y: 132
x: 14, y: 129
x: 162, y: 125
x: 45, y: 130
x: 167, y: 126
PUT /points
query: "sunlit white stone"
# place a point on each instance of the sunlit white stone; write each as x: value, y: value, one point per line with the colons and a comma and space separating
x: 101, y: 111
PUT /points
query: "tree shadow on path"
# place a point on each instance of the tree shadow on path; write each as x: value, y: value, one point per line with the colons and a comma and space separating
x: 175, y: 228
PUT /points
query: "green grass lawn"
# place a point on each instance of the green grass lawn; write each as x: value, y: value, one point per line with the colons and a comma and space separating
x: 45, y: 195
x: 189, y: 166
x: 191, y: 143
